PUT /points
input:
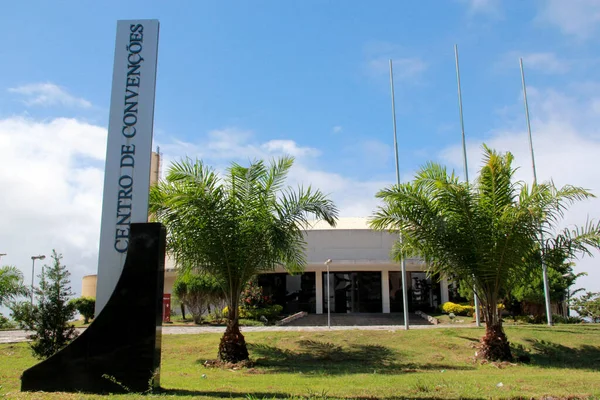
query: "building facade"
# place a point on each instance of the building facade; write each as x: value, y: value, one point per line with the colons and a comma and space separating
x: 362, y: 277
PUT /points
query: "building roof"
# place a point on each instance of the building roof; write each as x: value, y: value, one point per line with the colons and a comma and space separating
x: 342, y: 223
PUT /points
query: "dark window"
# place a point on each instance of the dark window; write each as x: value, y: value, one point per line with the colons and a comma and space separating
x: 351, y: 292
x: 293, y: 292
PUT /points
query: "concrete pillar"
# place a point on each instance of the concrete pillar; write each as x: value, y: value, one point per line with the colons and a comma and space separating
x: 444, y: 290
x: 319, y: 291
x: 385, y: 291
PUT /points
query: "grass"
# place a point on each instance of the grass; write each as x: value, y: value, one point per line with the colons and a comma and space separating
x: 433, y: 363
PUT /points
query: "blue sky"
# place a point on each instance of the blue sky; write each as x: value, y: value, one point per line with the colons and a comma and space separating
x: 245, y: 80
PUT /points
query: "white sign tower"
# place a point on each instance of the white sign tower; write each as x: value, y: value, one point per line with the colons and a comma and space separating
x: 129, y: 148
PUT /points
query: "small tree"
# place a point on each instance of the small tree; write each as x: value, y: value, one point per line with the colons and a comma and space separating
x: 587, y: 306
x: 85, y: 306
x: 49, y: 319
x: 197, y: 291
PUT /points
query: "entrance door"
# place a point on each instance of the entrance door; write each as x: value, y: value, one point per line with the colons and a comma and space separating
x: 353, y: 292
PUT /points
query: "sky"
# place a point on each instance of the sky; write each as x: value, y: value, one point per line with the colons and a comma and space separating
x: 239, y: 81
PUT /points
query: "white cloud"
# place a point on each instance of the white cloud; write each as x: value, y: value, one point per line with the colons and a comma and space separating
x: 337, y: 129
x: 566, y: 141
x: 51, y: 175
x: 289, y: 147
x: 578, y: 18
x: 490, y: 7
x: 353, y: 197
x: 406, y: 68
x: 544, y: 62
x: 223, y: 145
x: 49, y: 94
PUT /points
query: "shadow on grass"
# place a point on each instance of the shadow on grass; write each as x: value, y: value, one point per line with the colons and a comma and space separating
x: 324, y: 358
x: 273, y: 395
x: 555, y: 355
x: 223, y: 394
x: 470, y: 339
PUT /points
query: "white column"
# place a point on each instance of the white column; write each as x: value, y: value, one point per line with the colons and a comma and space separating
x: 444, y: 290
x: 319, y: 291
x: 385, y: 291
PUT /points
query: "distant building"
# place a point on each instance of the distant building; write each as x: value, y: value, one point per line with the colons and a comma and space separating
x: 362, y: 278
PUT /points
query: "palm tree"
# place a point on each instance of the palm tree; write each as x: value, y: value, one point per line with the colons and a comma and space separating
x: 11, y: 284
x: 236, y: 226
x: 486, y: 234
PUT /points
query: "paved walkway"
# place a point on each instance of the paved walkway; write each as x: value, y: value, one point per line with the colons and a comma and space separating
x: 311, y: 323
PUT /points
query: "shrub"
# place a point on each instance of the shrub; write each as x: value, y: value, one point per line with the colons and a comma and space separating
x: 559, y: 319
x: 269, y: 312
x: 6, y: 323
x: 457, y: 309
x: 85, y: 306
x: 450, y: 307
x: 252, y: 296
x: 463, y: 310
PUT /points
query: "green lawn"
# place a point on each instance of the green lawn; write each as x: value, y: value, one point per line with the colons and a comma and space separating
x: 434, y: 363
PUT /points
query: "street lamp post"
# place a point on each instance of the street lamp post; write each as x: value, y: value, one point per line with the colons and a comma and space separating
x: 572, y: 276
x: 2, y: 255
x: 33, y: 258
x: 328, y: 298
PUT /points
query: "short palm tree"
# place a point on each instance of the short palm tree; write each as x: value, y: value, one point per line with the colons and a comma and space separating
x: 486, y: 234
x: 11, y: 284
x: 236, y: 226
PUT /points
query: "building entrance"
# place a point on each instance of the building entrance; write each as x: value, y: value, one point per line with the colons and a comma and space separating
x: 352, y: 292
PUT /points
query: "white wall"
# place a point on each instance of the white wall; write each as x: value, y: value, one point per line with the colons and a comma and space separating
x: 348, y: 244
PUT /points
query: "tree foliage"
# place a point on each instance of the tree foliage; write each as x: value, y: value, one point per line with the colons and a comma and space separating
x: 235, y: 226
x: 85, y: 306
x: 485, y: 234
x: 197, y: 291
x: 587, y: 306
x: 11, y: 284
x: 49, y: 318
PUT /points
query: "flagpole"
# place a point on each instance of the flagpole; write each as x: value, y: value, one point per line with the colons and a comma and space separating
x: 544, y: 267
x: 464, y: 146
x: 403, y: 260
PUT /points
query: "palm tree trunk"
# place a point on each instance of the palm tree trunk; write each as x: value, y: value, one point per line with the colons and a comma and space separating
x: 182, y: 310
x: 494, y: 345
x: 233, y: 345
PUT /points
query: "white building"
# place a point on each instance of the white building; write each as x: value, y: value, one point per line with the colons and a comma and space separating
x: 363, y: 278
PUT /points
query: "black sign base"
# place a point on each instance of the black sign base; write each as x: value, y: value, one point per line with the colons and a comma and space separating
x: 120, y: 351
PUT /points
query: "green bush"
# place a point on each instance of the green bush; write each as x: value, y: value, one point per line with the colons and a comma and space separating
x: 463, y: 310
x: 559, y: 319
x: 269, y: 312
x: 6, y: 323
x: 457, y: 309
x: 85, y: 306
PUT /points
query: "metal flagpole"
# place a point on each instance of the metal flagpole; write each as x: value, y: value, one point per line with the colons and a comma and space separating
x: 544, y: 267
x: 403, y: 260
x: 464, y: 145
